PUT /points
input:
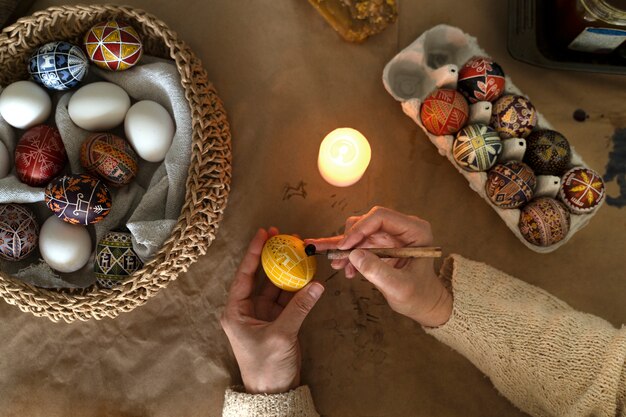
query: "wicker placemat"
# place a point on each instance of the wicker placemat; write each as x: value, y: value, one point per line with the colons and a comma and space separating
x: 208, y: 182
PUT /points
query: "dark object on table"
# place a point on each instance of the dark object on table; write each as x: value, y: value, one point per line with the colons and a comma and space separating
x: 355, y: 20
x: 561, y: 34
x: 11, y: 10
x: 580, y: 115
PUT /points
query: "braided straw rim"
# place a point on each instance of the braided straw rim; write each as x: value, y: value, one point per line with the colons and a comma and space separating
x: 208, y: 181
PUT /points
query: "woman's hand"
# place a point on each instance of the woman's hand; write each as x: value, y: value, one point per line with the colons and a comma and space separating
x: 263, y: 328
x: 410, y: 286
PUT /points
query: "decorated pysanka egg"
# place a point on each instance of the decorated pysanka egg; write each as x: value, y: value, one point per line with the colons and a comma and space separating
x: 109, y: 157
x: 547, y: 152
x: 39, y: 155
x: 582, y: 190
x: 481, y: 79
x: 115, y: 259
x: 476, y: 147
x: 58, y: 65
x: 78, y: 199
x: 510, y: 185
x: 544, y: 221
x: 444, y: 112
x: 19, y: 232
x: 113, y: 45
x: 286, y: 263
x: 513, y: 117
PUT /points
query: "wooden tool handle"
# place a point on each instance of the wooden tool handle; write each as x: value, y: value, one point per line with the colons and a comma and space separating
x: 423, y: 252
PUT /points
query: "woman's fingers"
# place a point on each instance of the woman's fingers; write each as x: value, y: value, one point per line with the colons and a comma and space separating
x: 409, y: 230
x: 243, y: 283
x: 324, y: 243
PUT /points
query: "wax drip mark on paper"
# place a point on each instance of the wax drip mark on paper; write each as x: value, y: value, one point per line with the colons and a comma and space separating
x: 339, y: 204
x: 616, y: 168
x: 298, y: 191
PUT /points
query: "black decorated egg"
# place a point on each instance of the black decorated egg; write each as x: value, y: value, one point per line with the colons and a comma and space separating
x: 19, y: 232
x: 78, y: 199
x: 510, y: 185
x: 476, y: 147
x: 513, y: 117
x: 58, y: 65
x: 582, y: 190
x: 547, y: 152
x: 544, y: 221
x: 115, y: 259
x: 481, y: 79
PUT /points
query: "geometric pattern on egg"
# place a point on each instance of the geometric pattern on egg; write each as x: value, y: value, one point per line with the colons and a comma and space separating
x: 476, y: 147
x: 115, y: 259
x: 444, y: 112
x: 286, y: 263
x: 510, y: 185
x: 18, y: 232
x: 39, y: 155
x: 110, y: 157
x: 547, y: 152
x: 113, y: 45
x: 582, y: 190
x: 544, y: 221
x: 58, y: 65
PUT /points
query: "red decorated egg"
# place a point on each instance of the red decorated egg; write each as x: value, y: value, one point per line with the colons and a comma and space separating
x: 78, y: 199
x: 544, y: 221
x: 19, y: 232
x: 513, y: 117
x: 481, y: 79
x: 109, y: 157
x: 511, y: 184
x: 582, y: 190
x: 547, y: 152
x: 444, y: 112
x: 39, y: 155
x: 113, y: 45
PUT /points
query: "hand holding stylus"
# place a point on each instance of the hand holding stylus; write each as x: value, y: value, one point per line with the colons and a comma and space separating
x: 410, y: 285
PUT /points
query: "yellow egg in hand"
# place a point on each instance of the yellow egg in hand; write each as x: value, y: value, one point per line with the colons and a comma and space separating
x: 286, y: 263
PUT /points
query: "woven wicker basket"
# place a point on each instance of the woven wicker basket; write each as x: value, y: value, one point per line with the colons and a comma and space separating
x: 208, y: 182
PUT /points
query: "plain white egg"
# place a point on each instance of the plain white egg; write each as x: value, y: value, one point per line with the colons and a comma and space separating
x: 5, y: 160
x: 149, y: 129
x: 65, y: 247
x: 98, y: 106
x: 24, y: 104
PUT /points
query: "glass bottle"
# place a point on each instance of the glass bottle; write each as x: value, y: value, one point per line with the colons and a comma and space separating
x: 592, y: 26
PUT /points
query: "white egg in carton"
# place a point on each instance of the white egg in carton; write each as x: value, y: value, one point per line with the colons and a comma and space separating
x: 432, y: 61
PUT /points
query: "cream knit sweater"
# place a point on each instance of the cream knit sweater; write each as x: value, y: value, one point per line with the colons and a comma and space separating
x: 545, y: 357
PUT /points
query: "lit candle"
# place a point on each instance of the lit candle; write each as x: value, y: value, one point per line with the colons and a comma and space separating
x: 344, y: 156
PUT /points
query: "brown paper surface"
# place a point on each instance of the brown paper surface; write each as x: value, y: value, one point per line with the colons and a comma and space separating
x: 286, y: 80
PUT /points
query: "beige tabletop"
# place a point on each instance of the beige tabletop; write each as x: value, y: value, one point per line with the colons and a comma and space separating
x: 286, y: 80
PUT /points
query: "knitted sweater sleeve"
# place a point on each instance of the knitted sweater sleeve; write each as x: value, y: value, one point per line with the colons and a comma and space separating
x: 295, y: 403
x: 545, y: 357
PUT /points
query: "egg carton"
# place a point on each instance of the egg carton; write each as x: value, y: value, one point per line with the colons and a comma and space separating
x: 432, y: 61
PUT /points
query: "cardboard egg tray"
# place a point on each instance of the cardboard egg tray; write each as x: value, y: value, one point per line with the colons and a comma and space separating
x: 432, y: 61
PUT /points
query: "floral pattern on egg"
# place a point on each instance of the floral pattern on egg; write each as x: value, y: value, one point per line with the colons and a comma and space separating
x: 78, y: 199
